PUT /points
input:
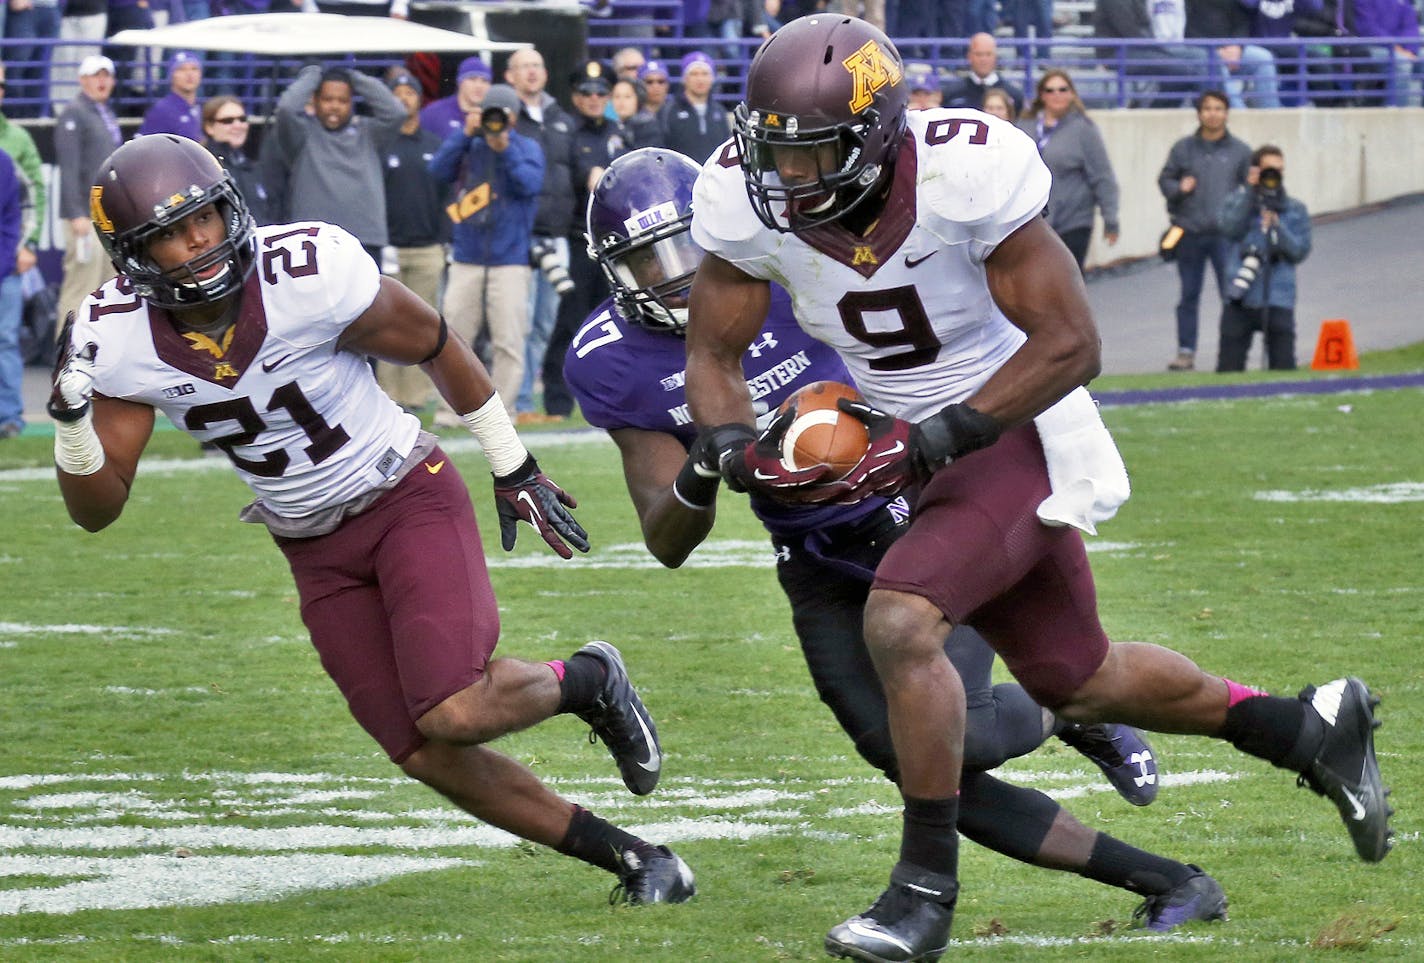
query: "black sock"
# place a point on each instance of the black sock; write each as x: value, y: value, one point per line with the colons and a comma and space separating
x: 930, y: 840
x: 1284, y: 732
x: 597, y: 841
x: 1117, y: 864
x: 583, y: 675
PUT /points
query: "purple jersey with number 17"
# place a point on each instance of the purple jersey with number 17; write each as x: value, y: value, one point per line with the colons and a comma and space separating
x: 625, y: 376
x: 305, y: 424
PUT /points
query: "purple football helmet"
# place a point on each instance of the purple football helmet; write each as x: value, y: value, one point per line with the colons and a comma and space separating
x: 833, y: 88
x: 153, y: 182
x: 639, y: 218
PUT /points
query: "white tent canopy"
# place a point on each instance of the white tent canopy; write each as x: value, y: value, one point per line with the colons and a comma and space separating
x: 304, y: 34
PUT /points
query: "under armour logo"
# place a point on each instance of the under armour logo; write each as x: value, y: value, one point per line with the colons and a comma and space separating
x: 766, y: 343
x: 1141, y: 760
x: 782, y: 553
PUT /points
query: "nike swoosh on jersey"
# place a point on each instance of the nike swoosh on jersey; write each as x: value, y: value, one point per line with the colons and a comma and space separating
x: 435, y: 468
x: 525, y: 497
x: 899, y: 447
x: 269, y: 367
x: 912, y: 262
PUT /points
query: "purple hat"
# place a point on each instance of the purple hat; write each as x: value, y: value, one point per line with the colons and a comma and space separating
x: 921, y: 76
x: 473, y: 67
x: 652, y: 67
x: 182, y: 58
x: 697, y: 57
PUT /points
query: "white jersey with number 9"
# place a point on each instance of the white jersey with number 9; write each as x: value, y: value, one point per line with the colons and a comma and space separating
x: 907, y: 306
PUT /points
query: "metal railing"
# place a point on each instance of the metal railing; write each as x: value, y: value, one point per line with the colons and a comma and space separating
x: 1324, y: 72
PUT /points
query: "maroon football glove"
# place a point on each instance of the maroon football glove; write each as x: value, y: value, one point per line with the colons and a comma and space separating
x: 901, y: 454
x: 886, y: 467
x: 527, y: 494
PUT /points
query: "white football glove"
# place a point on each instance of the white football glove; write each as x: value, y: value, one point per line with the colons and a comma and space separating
x: 73, y: 386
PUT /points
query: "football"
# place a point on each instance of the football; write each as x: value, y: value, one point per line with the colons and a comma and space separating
x: 822, y: 434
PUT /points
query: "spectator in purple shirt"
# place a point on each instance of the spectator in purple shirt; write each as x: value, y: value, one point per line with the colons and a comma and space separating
x: 446, y: 115
x: 1392, y: 18
x: 178, y: 112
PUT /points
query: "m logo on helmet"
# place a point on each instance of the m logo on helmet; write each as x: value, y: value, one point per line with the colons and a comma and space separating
x: 96, y: 210
x: 870, y: 69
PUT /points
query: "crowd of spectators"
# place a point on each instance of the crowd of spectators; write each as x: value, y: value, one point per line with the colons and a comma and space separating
x: 488, y: 223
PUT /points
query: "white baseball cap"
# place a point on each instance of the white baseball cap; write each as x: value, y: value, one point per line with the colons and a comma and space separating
x: 94, y: 63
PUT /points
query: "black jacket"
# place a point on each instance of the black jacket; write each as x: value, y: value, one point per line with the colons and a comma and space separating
x: 558, y: 211
x: 250, y: 184
x: 697, y: 137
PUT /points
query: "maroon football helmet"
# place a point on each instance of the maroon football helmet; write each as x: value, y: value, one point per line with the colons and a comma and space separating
x: 834, y: 87
x: 153, y: 182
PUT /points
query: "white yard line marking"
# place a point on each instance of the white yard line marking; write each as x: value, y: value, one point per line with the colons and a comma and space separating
x: 1391, y: 493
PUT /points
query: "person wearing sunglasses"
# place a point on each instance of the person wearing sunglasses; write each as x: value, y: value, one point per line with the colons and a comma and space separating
x: 225, y: 129
x: 1072, y: 147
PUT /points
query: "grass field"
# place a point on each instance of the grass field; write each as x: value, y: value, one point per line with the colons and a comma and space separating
x: 179, y: 779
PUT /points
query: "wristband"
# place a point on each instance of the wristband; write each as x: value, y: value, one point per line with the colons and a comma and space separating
x: 490, y: 425
x: 77, y: 448
x: 952, y: 433
x: 723, y: 440
x: 694, y: 489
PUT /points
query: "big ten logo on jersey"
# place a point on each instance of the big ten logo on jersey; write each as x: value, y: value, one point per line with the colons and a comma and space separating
x: 178, y: 391
x: 871, y: 67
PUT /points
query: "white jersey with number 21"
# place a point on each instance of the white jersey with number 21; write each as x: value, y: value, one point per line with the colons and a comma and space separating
x: 305, y: 424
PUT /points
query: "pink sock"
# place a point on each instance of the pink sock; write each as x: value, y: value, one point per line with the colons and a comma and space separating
x: 558, y: 666
x: 1236, y: 692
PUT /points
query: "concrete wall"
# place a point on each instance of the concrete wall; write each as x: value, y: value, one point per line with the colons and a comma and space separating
x: 1336, y: 159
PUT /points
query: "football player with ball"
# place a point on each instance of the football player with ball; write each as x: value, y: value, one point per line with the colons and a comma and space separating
x: 259, y: 340
x: 625, y: 368
x: 913, y: 244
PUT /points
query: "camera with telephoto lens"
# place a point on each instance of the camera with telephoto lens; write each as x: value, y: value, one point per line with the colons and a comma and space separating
x: 1270, y: 193
x: 494, y: 120
x: 545, y: 256
x: 1251, y: 257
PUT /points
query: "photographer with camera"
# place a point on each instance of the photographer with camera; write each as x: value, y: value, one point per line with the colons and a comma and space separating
x: 498, y: 174
x: 1272, y: 231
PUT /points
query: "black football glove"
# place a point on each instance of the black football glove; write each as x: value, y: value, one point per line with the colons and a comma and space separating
x: 752, y: 463
x: 72, y: 383
x: 527, y: 494
x: 696, y: 484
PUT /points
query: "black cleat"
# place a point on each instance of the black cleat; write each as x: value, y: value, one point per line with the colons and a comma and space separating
x: 1122, y: 754
x: 657, y: 875
x: 1345, y: 769
x: 1198, y: 897
x: 909, y: 923
x: 619, y: 718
